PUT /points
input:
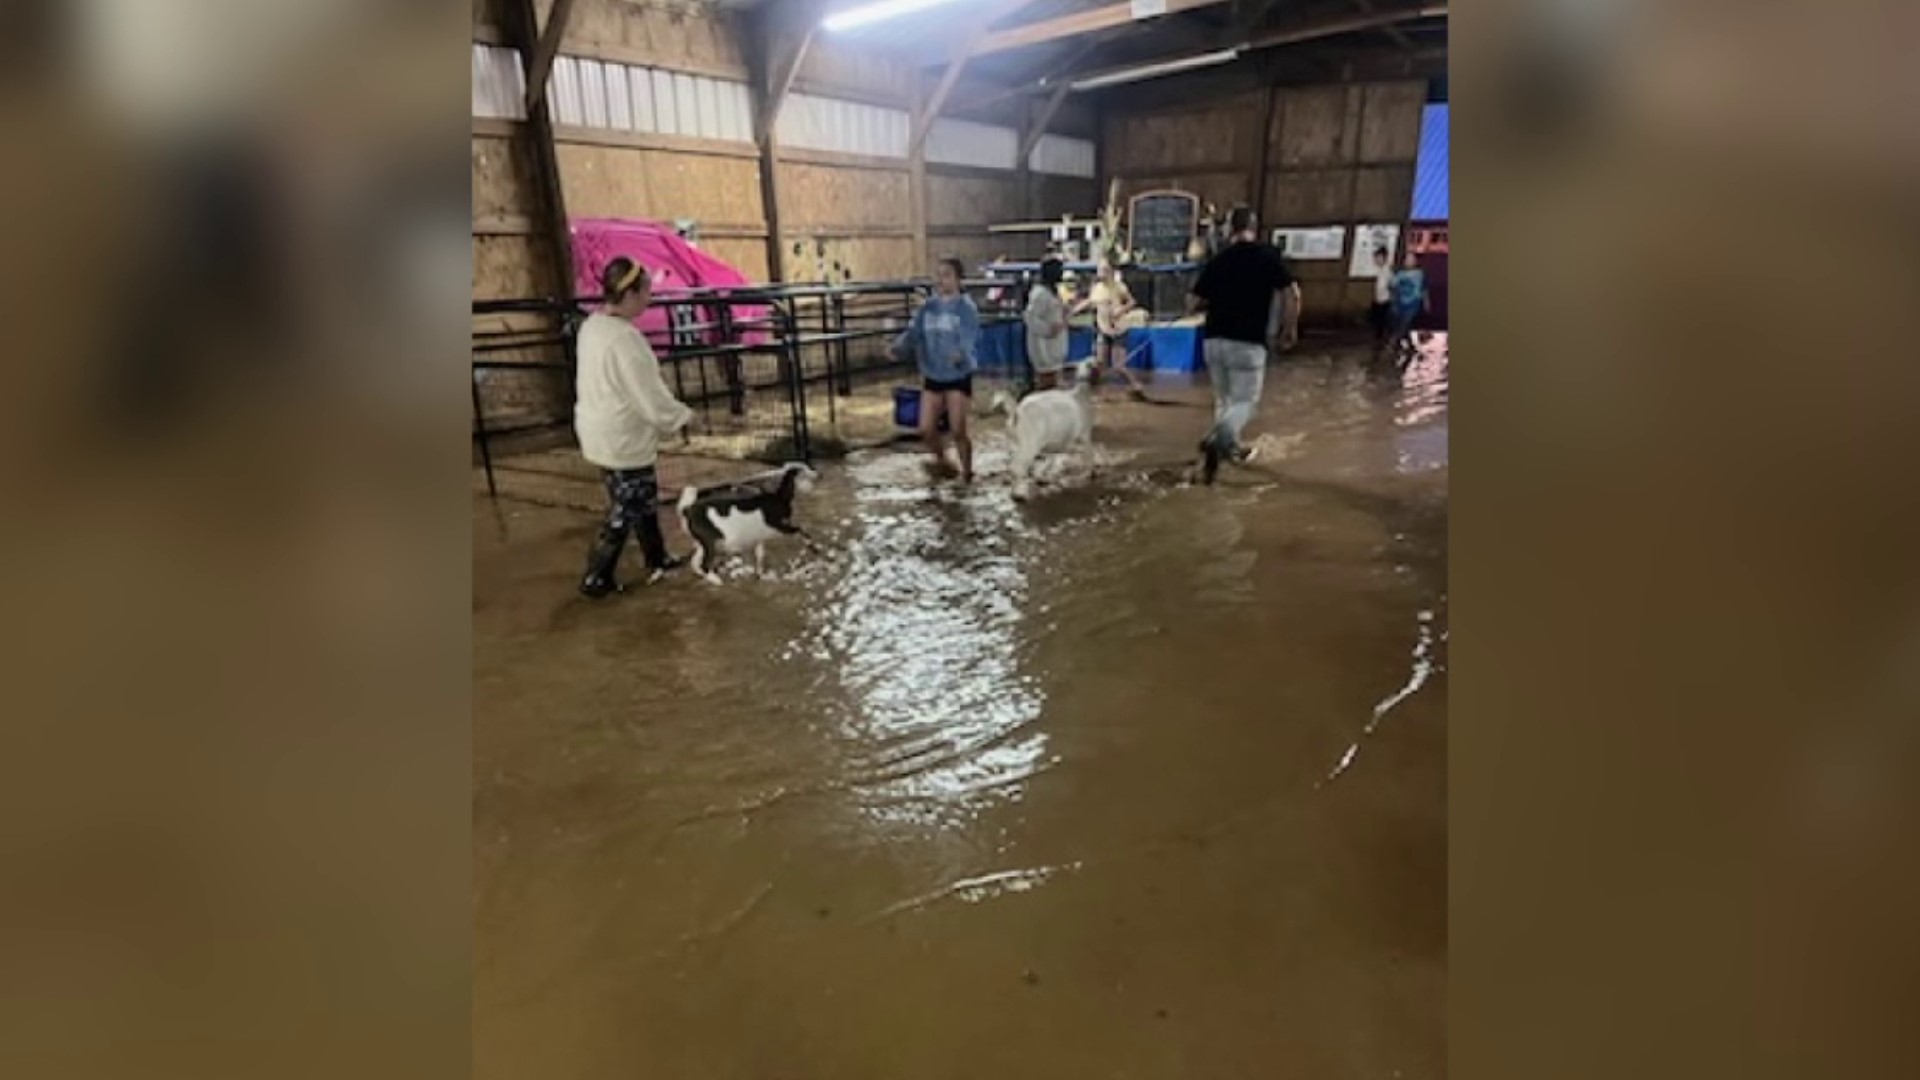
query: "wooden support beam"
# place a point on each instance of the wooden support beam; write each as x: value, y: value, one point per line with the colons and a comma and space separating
x: 1080, y: 22
x: 1038, y: 128
x: 1331, y: 27
x: 1251, y: 13
x: 1266, y: 154
x: 1399, y: 36
x: 525, y: 32
x: 803, y: 22
x: 757, y: 41
x: 924, y: 117
x: 917, y: 190
x: 1059, y: 71
x: 540, y: 64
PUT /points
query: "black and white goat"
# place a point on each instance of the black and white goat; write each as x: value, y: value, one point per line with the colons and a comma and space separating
x: 1047, y: 422
x: 742, y: 516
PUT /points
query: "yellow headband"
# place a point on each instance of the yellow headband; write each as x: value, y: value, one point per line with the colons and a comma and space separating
x: 627, y: 282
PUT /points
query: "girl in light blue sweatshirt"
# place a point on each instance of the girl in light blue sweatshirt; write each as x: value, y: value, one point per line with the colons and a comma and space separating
x: 941, y: 338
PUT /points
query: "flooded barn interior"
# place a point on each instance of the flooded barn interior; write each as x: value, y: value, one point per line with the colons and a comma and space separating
x: 1140, y: 772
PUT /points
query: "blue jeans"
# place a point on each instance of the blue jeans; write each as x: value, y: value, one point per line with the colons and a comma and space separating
x: 1238, y: 371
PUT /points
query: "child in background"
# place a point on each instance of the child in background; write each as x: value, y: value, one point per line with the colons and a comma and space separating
x: 941, y: 338
x: 1046, y: 319
x: 1409, y: 300
x: 1111, y: 301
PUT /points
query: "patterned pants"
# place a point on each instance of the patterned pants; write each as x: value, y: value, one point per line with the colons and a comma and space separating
x: 633, y: 505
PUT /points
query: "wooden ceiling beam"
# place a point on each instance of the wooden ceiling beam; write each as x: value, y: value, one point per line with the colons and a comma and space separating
x: 1333, y: 27
x: 1076, y: 24
x: 1398, y: 35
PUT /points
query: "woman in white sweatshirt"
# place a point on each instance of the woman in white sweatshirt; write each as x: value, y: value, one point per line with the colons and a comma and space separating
x: 621, y: 410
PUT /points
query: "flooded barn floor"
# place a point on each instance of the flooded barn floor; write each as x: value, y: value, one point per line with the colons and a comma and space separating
x: 1136, y: 780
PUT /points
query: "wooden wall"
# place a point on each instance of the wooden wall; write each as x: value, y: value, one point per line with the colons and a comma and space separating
x: 1338, y: 154
x: 962, y: 202
x: 868, y: 214
x: 842, y: 209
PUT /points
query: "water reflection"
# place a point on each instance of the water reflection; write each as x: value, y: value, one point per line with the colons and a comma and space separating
x: 923, y: 630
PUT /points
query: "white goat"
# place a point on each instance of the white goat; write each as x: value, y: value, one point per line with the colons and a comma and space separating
x: 1047, y: 422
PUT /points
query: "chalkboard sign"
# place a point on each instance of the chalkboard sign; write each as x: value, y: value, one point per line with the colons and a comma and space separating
x: 1161, y: 224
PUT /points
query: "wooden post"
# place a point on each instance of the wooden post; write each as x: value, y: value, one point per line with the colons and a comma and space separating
x: 1353, y: 189
x: 767, y: 86
x: 1020, y: 169
x: 1265, y: 159
x: 525, y: 30
x: 917, y: 185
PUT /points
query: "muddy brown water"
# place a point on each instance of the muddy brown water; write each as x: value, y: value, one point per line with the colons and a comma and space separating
x: 1138, y: 779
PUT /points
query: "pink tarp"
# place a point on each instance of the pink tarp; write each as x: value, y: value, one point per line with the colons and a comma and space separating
x: 674, y: 264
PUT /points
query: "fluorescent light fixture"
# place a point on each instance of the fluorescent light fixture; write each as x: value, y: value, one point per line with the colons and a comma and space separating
x: 876, y: 12
x: 1154, y: 71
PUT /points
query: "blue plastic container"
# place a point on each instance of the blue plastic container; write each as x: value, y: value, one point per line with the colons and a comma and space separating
x: 906, y: 408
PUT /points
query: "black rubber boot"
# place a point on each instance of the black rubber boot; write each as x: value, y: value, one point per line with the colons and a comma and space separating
x: 1210, y: 459
x: 653, y: 545
x: 602, y: 560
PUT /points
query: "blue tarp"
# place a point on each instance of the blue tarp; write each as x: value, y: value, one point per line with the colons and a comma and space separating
x: 1156, y: 348
x: 1430, y: 177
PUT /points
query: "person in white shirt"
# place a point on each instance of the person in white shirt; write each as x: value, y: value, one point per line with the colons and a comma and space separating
x: 1380, y: 315
x: 622, y: 408
x: 1046, y: 319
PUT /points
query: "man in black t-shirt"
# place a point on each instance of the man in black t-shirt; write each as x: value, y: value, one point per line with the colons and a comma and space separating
x: 1238, y: 290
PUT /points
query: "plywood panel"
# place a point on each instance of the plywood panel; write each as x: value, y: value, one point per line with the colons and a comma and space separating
x: 1390, y: 130
x: 1309, y: 197
x: 505, y: 182
x: 1323, y: 299
x: 668, y: 37
x: 489, y: 13
x: 1311, y: 126
x: 605, y: 181
x: 867, y: 73
x: 869, y: 258
x: 1220, y: 136
x: 1383, y: 193
x: 617, y: 181
x: 826, y: 195
x: 974, y: 250
x: 511, y: 268
x: 717, y: 190
x: 514, y: 399
x: 967, y: 200
x: 1056, y: 195
x: 747, y: 255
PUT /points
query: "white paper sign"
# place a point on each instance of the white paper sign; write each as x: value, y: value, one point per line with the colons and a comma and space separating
x: 1328, y: 242
x: 1147, y: 9
x: 1365, y: 239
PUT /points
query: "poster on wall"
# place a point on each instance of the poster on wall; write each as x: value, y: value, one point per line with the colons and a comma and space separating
x: 1322, y: 243
x: 1365, y: 239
